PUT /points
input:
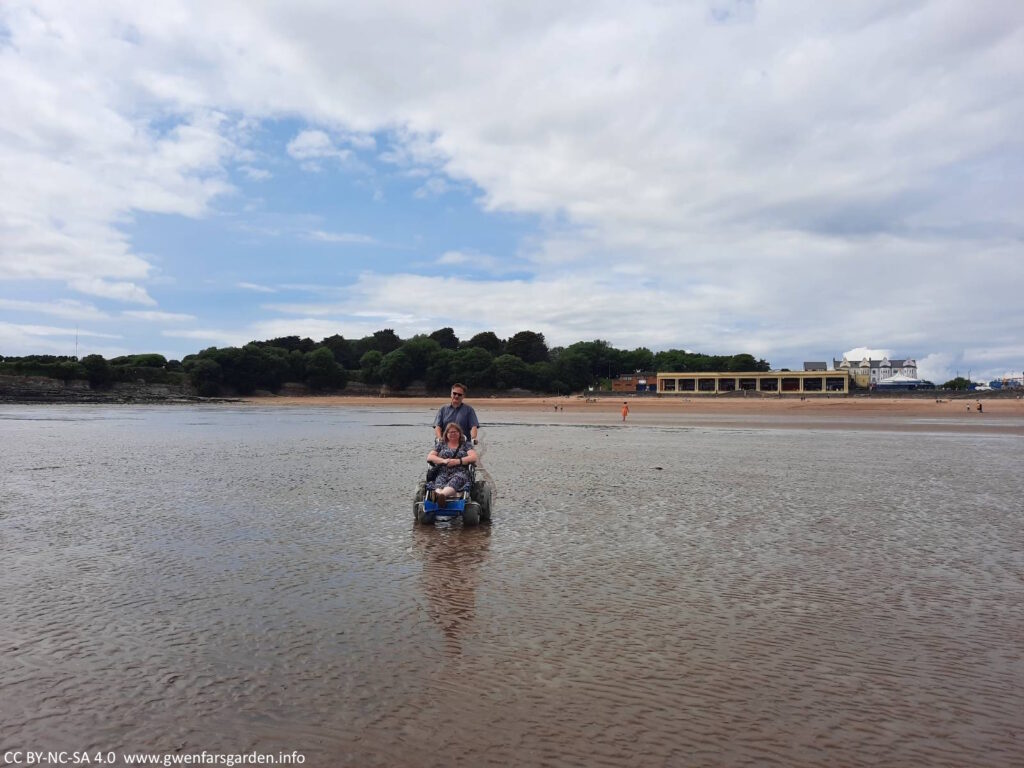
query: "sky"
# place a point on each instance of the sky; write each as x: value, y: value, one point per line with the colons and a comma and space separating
x: 795, y: 180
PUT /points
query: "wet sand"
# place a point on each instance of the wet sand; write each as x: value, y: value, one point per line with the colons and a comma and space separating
x: 244, y: 578
x: 1001, y: 415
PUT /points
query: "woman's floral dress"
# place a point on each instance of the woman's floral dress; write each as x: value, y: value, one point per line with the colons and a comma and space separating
x: 456, y: 477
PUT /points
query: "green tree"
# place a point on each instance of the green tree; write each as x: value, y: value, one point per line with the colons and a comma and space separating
x: 296, y: 366
x: 290, y: 343
x: 572, y: 370
x: 97, y: 370
x: 528, y: 347
x: 396, y: 369
x: 959, y: 383
x: 141, y: 361
x: 446, y: 338
x: 438, y: 375
x: 206, y: 376
x: 420, y: 351
x: 323, y: 371
x: 369, y: 365
x: 473, y: 367
x: 343, y: 350
x: 67, y: 371
x: 488, y: 341
x: 602, y: 358
x: 639, y: 359
x: 542, y: 377
x: 385, y: 341
x: 511, y: 372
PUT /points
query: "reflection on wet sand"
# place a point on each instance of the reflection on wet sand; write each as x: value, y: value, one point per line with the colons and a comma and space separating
x: 180, y: 580
x: 452, y: 557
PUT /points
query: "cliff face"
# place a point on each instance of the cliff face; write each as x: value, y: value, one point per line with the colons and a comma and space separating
x: 39, y: 389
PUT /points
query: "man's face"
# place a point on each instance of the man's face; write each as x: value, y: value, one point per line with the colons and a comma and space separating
x: 457, y: 396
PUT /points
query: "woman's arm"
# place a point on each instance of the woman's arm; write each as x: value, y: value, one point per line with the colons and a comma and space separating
x: 433, y: 458
x: 470, y: 457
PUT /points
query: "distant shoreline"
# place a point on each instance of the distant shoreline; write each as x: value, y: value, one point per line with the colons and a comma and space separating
x: 868, y: 405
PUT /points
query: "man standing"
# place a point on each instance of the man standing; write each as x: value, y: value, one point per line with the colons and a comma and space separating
x: 459, y: 412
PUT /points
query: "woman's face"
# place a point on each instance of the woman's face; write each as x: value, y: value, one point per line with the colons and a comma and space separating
x: 452, y: 435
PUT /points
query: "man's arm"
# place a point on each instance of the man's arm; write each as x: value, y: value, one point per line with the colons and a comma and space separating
x: 437, y: 423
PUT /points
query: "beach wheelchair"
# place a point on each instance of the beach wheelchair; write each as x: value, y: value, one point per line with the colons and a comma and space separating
x: 473, y: 505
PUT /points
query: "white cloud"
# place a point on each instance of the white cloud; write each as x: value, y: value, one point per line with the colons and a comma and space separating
x: 792, y: 179
x: 220, y: 337
x: 66, y: 308
x: 255, y: 174
x: 158, y: 317
x: 257, y: 287
x: 316, y: 145
x: 478, y: 261
x: 433, y: 187
x: 17, y: 339
x: 120, y: 291
x: 861, y: 353
x: 340, y: 237
x: 49, y: 330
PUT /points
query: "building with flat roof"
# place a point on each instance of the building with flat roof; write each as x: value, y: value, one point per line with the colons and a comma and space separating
x: 641, y: 381
x: 772, y: 382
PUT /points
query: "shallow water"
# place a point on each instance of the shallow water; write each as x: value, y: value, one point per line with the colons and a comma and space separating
x: 245, y: 579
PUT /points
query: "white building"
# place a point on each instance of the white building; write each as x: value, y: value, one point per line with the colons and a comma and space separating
x: 868, y: 371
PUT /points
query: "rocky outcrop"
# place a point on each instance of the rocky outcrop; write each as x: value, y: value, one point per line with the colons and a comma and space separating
x: 40, y: 389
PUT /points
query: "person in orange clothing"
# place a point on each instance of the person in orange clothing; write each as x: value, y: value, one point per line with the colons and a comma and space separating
x: 625, y: 410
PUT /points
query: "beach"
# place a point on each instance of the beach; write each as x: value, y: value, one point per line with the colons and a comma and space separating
x: 1004, y: 414
x: 735, y: 588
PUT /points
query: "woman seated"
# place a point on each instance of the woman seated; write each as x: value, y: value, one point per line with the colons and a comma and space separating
x: 452, y: 454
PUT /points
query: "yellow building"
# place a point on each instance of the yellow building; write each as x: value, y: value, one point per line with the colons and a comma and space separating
x: 772, y: 382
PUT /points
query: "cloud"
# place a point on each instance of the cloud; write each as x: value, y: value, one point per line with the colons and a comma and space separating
x: 795, y: 179
x: 48, y: 330
x: 860, y: 353
x: 65, y: 308
x: 120, y: 291
x: 481, y: 262
x: 310, y: 146
x: 17, y: 339
x: 217, y: 336
x: 340, y: 237
x: 255, y: 174
x: 256, y: 287
x: 434, y: 187
x: 159, y: 317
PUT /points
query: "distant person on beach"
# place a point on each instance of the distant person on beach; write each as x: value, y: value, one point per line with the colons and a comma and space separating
x: 452, y: 455
x: 625, y: 410
x: 979, y: 407
x: 459, y: 412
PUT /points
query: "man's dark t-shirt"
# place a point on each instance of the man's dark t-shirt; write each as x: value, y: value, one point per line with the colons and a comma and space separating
x: 464, y: 416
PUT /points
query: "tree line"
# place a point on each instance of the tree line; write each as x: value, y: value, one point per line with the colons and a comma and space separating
x: 523, y: 361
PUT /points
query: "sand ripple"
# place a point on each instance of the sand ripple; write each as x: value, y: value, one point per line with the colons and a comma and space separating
x: 190, y: 579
